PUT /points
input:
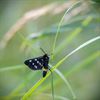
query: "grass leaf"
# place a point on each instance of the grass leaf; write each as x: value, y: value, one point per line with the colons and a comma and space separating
x: 27, y: 94
x: 59, y: 25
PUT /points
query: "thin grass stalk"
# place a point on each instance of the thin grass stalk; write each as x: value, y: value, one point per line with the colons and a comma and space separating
x: 30, y: 91
x: 59, y: 25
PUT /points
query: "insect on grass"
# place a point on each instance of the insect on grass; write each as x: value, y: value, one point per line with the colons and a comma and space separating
x: 39, y: 63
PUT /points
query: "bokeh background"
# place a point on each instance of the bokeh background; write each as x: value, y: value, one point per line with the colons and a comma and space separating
x: 27, y: 25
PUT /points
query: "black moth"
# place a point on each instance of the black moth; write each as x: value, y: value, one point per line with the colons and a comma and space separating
x: 39, y: 63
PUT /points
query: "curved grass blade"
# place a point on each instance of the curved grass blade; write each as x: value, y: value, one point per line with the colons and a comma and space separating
x: 67, y: 83
x: 70, y: 71
x: 77, y: 67
x: 77, y: 49
x: 59, y: 25
x: 83, y: 63
x: 29, y: 92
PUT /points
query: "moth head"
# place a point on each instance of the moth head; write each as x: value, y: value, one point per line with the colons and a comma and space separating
x: 46, y: 57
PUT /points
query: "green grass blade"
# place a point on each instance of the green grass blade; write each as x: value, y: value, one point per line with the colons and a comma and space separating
x: 75, y: 68
x: 78, y: 66
x: 28, y: 93
x: 77, y: 49
x: 67, y: 83
x: 83, y: 63
x: 59, y: 25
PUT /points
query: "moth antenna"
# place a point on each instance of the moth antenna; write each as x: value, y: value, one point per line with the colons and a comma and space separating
x: 43, y: 51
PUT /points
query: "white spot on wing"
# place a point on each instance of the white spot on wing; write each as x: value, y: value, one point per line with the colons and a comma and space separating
x: 35, y: 59
x: 32, y: 63
x: 38, y: 62
x: 35, y: 66
x: 30, y: 60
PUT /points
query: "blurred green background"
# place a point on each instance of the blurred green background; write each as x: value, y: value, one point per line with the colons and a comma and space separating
x: 27, y: 25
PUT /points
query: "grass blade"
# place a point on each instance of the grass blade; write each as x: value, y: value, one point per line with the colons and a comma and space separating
x: 67, y: 83
x: 83, y: 63
x: 28, y: 93
x: 59, y: 25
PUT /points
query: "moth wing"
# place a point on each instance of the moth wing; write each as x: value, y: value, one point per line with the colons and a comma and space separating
x: 35, y: 63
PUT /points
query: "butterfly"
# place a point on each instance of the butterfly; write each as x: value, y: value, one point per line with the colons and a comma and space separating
x: 39, y: 63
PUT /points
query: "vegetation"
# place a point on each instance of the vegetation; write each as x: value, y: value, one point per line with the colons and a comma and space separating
x: 68, y: 31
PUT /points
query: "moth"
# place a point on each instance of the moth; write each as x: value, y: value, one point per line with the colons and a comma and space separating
x: 39, y: 63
